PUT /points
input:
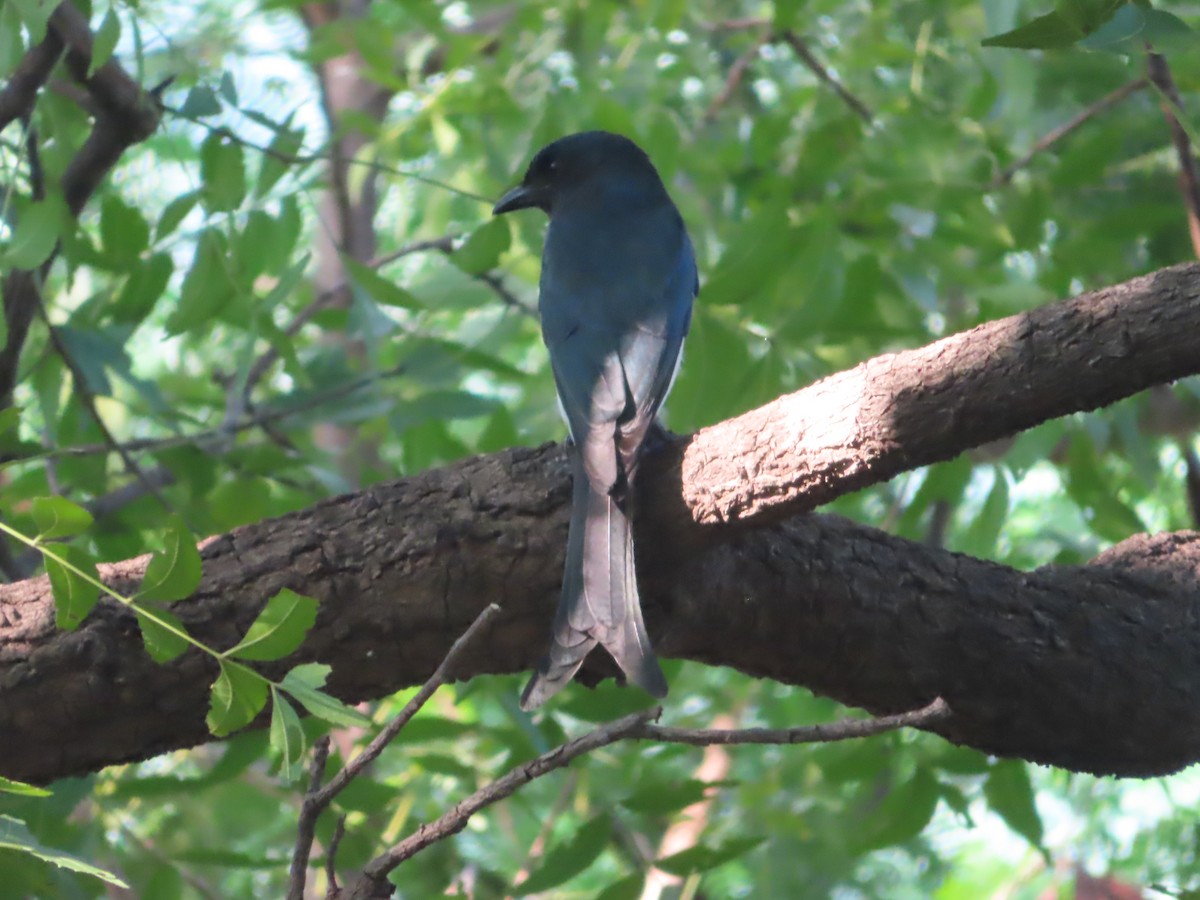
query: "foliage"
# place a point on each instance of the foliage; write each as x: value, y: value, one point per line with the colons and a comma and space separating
x: 824, y: 236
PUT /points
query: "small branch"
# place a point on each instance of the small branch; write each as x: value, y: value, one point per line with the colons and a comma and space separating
x: 1052, y: 137
x: 238, y: 394
x: 317, y: 798
x: 307, y: 823
x: 373, y: 879
x: 1172, y: 106
x: 339, y: 831
x: 733, y: 80
x: 843, y: 730
x: 1192, y: 481
x: 636, y: 727
x: 814, y: 65
x: 88, y: 399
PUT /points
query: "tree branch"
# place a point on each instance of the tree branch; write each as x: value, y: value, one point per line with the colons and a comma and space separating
x: 1172, y: 106
x: 1048, y: 665
x: 318, y: 798
x: 1054, y: 135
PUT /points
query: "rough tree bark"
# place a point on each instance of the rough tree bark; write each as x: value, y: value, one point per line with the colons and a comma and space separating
x: 1094, y: 668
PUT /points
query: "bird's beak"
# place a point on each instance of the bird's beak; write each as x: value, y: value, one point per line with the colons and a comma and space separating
x: 520, y: 197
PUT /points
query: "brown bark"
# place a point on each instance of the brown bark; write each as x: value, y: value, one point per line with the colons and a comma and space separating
x: 1093, y: 667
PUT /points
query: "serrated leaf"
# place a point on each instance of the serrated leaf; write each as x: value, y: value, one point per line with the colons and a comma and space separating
x: 237, y: 696
x: 174, y: 573
x: 903, y: 814
x: 36, y: 234
x: 8, y: 786
x: 660, y: 797
x: 124, y: 234
x: 568, y: 860
x: 222, y: 173
x: 201, y: 101
x: 207, y: 286
x: 74, y: 595
x: 287, y: 735
x: 379, y: 288
x: 105, y: 40
x: 482, y: 250
x: 160, y: 641
x: 146, y: 282
x: 282, y: 151
x: 57, y: 517
x: 15, y: 835
x: 303, y: 683
x: 175, y: 212
x: 702, y: 859
x: 1046, y: 32
x: 1009, y: 793
x: 279, y: 629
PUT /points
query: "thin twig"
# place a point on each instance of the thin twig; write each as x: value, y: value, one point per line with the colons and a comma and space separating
x: 638, y: 726
x: 318, y: 798
x: 456, y: 818
x: 88, y: 399
x: 814, y: 65
x: 339, y: 831
x: 1172, y: 107
x: 842, y: 730
x: 235, y: 403
x: 737, y: 72
x: 1054, y: 135
x: 307, y: 823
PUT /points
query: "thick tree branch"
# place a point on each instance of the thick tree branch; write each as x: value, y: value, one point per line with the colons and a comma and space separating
x: 1049, y: 665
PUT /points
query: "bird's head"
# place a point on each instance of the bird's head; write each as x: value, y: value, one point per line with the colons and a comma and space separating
x: 581, y: 164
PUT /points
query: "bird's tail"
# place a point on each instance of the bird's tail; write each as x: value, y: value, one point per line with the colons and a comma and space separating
x: 599, y: 603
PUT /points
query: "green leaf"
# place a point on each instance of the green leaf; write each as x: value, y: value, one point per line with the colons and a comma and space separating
x: 161, y: 642
x: 56, y: 517
x: 228, y: 89
x: 34, y: 15
x: 379, y: 288
x: 15, y: 835
x: 568, y: 860
x: 631, y: 886
x: 222, y: 173
x: 903, y: 814
x: 659, y: 797
x: 279, y: 629
x: 287, y: 735
x: 238, y: 695
x: 147, y: 280
x: 702, y: 859
x: 1093, y: 491
x: 304, y: 683
x: 1047, y: 32
x: 36, y: 234
x: 284, y: 147
x: 74, y: 595
x: 201, y: 101
x: 207, y: 286
x: 174, y: 573
x: 1009, y: 793
x: 8, y: 786
x: 175, y: 212
x: 983, y: 533
x: 105, y: 40
x: 124, y: 234
x: 482, y: 250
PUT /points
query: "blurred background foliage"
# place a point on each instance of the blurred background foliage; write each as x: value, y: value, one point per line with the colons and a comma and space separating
x: 856, y: 180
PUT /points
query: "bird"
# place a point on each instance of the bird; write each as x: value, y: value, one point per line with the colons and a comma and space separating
x: 617, y: 285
